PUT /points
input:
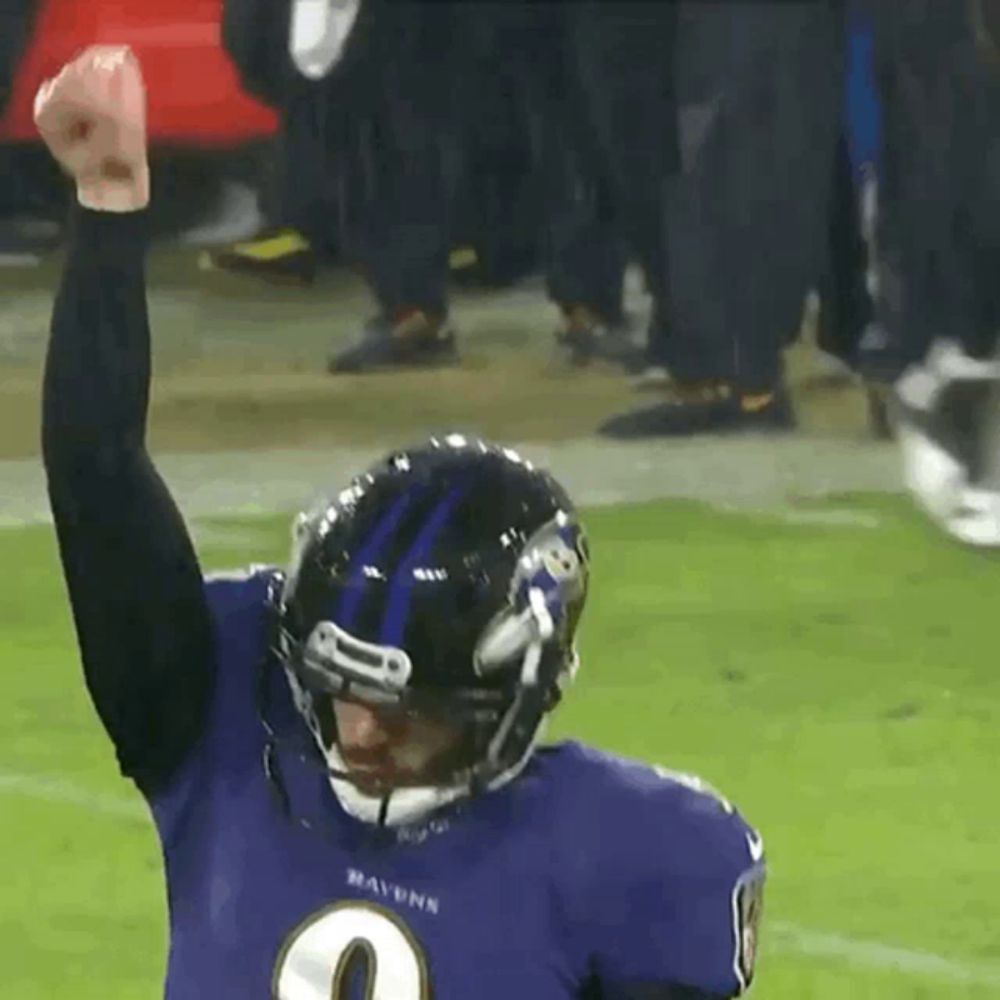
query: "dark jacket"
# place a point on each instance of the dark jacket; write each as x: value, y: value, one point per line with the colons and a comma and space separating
x: 255, y: 35
x: 16, y: 20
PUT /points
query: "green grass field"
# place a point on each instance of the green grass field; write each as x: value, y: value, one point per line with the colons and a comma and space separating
x: 835, y: 676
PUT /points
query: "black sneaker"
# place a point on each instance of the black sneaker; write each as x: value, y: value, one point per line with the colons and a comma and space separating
x: 586, y: 336
x: 414, y: 340
x: 705, y: 408
x: 282, y: 256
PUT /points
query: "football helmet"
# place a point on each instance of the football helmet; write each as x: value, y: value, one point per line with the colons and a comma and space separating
x: 448, y: 579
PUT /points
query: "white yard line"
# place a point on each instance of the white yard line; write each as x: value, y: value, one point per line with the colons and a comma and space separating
x: 770, y: 473
x: 875, y: 955
x: 62, y: 792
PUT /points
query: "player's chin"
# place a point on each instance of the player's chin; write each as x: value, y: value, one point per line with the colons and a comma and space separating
x: 382, y: 782
x: 378, y: 782
x: 375, y: 788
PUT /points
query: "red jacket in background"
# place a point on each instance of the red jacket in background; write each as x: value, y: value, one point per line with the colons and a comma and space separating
x: 195, y: 97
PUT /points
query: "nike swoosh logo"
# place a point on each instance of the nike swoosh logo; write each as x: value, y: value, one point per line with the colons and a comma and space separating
x: 755, y: 843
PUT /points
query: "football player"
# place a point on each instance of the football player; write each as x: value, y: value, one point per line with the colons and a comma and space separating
x: 342, y: 759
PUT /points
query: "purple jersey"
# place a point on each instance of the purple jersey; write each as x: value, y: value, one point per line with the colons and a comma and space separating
x: 588, y: 875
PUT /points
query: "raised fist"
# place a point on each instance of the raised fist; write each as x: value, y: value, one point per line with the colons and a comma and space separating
x: 92, y: 117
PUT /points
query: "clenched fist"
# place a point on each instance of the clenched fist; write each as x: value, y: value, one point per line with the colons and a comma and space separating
x: 92, y: 117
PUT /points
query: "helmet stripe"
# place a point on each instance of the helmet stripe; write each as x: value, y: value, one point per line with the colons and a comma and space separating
x: 397, y: 607
x: 354, y: 592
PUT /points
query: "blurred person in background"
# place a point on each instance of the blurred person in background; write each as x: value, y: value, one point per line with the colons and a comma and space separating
x: 15, y: 25
x: 848, y: 327
x: 292, y: 183
x: 939, y: 254
x: 435, y: 173
x: 478, y: 103
x: 845, y: 305
x: 369, y: 112
x: 585, y: 262
x: 496, y: 236
x: 758, y: 91
x: 31, y: 194
x: 391, y: 130
x: 297, y: 203
x: 600, y: 93
x: 866, y: 354
x: 404, y: 186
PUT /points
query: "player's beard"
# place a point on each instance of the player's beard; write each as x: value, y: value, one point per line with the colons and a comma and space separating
x: 376, y: 777
x: 381, y: 772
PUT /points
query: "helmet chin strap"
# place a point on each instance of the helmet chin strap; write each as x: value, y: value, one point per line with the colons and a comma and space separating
x: 398, y: 807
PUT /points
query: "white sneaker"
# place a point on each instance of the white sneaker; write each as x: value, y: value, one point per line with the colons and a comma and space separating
x: 948, y: 427
x: 236, y: 217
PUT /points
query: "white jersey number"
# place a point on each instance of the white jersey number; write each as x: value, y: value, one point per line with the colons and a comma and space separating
x: 318, y: 956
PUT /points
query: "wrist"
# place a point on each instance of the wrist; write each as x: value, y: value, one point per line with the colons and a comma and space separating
x: 104, y: 194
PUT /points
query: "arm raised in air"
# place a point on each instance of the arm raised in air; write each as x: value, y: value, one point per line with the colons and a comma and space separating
x: 133, y: 578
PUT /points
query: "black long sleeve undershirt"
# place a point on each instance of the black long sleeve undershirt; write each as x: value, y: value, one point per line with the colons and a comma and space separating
x: 134, y: 582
